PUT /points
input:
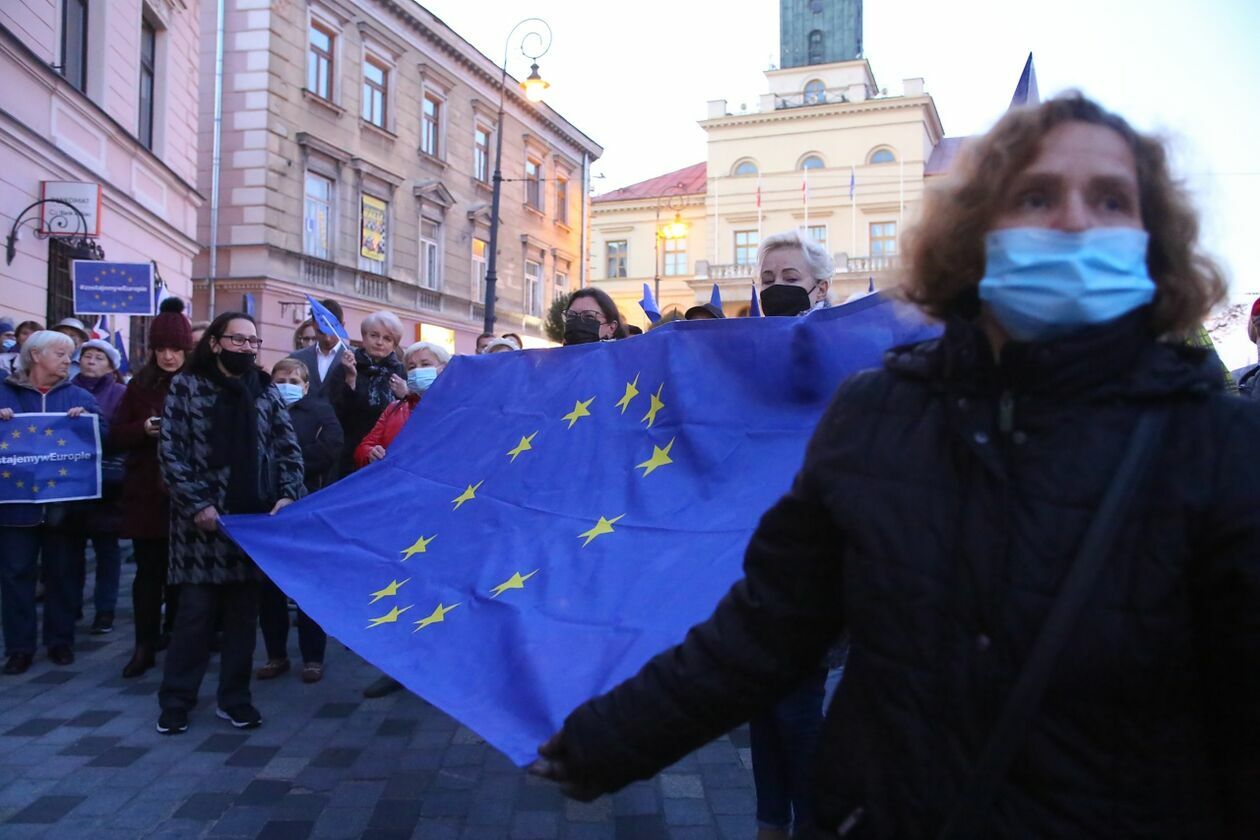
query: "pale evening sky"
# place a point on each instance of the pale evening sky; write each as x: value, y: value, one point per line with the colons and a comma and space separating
x: 636, y: 77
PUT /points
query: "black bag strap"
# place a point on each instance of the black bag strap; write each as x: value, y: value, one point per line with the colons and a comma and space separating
x: 968, y: 818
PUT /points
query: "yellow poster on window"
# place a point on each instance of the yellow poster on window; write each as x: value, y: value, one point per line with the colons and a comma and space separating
x: 373, y: 213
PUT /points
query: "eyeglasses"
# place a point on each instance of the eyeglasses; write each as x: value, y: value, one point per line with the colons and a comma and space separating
x: 588, y: 315
x: 241, y: 340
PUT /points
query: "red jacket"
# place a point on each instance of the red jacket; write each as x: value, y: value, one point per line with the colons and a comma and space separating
x: 387, y: 427
x: 145, y: 503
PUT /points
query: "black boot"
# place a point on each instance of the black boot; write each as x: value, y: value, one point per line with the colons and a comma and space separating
x: 141, y: 661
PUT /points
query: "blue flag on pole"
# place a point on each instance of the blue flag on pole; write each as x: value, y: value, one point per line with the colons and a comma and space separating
x: 50, y: 458
x: 547, y: 521
x: 754, y: 306
x: 715, y: 297
x: 326, y: 322
x: 648, y: 305
x: 1026, y: 92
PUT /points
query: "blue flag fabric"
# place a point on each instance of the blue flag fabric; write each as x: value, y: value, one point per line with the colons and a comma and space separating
x: 648, y: 305
x: 49, y: 458
x: 549, y: 520
x: 326, y: 322
x: 101, y: 288
x: 754, y: 306
x: 1026, y: 92
x: 715, y: 297
x: 124, y: 364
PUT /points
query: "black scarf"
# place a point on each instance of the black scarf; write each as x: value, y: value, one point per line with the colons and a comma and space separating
x: 234, y: 438
x: 373, y: 376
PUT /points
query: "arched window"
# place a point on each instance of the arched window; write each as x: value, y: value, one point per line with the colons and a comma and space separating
x: 815, y: 92
x: 812, y: 162
x: 745, y: 167
x: 816, y: 47
x: 883, y: 156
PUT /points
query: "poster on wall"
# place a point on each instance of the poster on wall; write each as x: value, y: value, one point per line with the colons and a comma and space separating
x: 112, y: 288
x: 372, y: 240
x: 56, y: 219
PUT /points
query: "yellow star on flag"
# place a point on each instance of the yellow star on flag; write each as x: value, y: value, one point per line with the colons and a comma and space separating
x: 63, y: 472
x: 17, y: 433
x: 660, y: 457
x: 603, y: 526
x: 580, y: 410
x: 516, y: 581
x: 52, y: 482
x: 5, y: 474
x: 47, y: 432
x: 438, y: 615
x: 632, y: 391
x: 32, y: 429
x: 392, y: 589
x: 389, y: 617
x: 35, y: 488
x: 468, y: 495
x: 4, y: 444
x: 420, y: 546
x: 657, y: 405
x: 61, y: 441
x: 523, y: 446
x: 20, y: 483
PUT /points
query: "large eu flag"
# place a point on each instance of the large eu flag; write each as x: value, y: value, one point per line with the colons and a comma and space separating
x: 549, y: 520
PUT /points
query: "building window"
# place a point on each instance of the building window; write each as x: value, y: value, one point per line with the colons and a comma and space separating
x: 480, y: 248
x: 74, y: 42
x: 818, y: 233
x: 148, y: 77
x: 533, y: 288
x: 561, y: 286
x: 562, y: 201
x: 533, y: 184
x: 815, y: 92
x: 373, y: 234
x: 812, y: 162
x: 317, y: 217
x: 375, y: 92
x: 883, y: 239
x: 676, y: 257
x: 883, y: 156
x: 744, y: 168
x: 481, y: 154
x: 617, y: 251
x: 746, y: 242
x: 319, y: 62
x: 430, y: 254
x: 430, y: 124
x: 816, y: 47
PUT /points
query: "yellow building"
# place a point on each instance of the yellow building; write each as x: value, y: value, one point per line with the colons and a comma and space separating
x: 826, y: 151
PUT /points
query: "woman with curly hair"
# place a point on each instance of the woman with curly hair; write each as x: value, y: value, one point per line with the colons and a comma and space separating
x: 1039, y: 532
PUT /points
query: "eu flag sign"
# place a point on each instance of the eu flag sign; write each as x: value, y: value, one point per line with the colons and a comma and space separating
x: 49, y: 458
x: 549, y: 520
x: 112, y: 288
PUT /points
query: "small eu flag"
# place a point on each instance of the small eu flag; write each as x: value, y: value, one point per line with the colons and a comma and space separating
x: 50, y: 458
x: 326, y: 322
x: 549, y: 520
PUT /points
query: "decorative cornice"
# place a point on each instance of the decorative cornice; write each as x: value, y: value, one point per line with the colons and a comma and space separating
x: 366, y: 167
x: 310, y: 143
x: 819, y: 111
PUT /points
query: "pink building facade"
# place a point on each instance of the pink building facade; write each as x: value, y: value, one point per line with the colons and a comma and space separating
x: 98, y: 92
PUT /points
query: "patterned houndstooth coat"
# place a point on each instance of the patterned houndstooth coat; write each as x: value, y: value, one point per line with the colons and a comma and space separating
x: 184, y: 453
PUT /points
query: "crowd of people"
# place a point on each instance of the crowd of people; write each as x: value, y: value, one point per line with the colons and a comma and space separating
x: 1015, y: 665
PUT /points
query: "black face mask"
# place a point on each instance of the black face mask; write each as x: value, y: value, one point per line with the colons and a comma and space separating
x: 784, y: 300
x: 236, y: 363
x: 580, y: 331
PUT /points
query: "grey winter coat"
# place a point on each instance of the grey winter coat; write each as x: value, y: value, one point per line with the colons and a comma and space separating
x: 184, y: 456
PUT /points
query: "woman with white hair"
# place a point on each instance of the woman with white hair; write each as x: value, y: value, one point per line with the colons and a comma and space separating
x: 375, y: 379
x: 795, y: 273
x: 27, y: 531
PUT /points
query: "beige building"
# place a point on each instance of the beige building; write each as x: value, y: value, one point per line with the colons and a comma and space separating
x: 825, y: 151
x: 356, y: 154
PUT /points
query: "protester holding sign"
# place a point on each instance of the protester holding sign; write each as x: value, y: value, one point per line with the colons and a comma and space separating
x: 31, y: 529
x: 1040, y: 532
x: 146, y: 504
x: 227, y: 446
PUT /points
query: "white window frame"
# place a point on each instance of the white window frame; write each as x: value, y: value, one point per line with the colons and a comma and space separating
x: 533, y: 288
x: 823, y: 228
x: 431, y: 255
x: 332, y: 215
x: 675, y: 248
x: 562, y: 201
x: 890, y: 240
x: 623, y: 267
x: 438, y: 97
x: 540, y: 182
x: 751, y: 244
x: 478, y: 125
x: 478, y: 273
x: 390, y: 69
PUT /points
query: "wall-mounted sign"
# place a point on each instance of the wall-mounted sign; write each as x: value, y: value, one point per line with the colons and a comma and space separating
x: 372, y: 242
x: 59, y: 220
x: 112, y: 288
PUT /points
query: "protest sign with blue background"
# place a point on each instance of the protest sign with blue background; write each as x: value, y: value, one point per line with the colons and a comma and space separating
x: 112, y: 288
x: 50, y: 458
x: 548, y: 520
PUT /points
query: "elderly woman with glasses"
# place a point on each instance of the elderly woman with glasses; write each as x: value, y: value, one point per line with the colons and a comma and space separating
x: 226, y: 446
x: 375, y: 378
x: 592, y: 316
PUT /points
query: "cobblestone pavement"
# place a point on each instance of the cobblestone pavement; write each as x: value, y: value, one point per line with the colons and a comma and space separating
x: 79, y: 757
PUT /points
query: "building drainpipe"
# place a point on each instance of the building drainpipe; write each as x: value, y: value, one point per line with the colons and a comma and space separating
x: 217, y: 158
x: 586, y: 200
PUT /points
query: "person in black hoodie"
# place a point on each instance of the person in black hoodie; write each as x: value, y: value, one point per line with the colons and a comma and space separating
x: 319, y: 436
x: 939, y: 518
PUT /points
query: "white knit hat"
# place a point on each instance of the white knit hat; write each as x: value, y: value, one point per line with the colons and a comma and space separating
x: 105, y: 347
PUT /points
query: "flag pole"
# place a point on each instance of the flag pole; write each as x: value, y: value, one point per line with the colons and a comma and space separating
x: 759, y: 207
x: 901, y: 198
x: 853, y: 208
x: 805, y: 193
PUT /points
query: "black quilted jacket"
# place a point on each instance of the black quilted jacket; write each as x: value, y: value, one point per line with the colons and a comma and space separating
x: 938, y: 508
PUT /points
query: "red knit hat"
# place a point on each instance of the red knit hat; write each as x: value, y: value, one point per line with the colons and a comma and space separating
x: 170, y: 328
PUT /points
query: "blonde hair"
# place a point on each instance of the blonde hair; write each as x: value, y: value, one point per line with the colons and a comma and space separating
x: 821, y: 265
x: 291, y: 364
x: 385, y: 320
x: 38, y: 341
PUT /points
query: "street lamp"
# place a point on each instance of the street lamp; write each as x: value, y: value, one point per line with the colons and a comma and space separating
x: 534, y: 86
x: 676, y: 229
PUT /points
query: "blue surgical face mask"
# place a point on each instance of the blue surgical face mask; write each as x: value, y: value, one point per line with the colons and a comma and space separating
x: 419, y: 379
x: 8, y: 344
x: 289, y: 392
x: 1041, y: 284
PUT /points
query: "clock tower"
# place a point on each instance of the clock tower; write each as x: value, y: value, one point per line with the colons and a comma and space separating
x: 819, y: 31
